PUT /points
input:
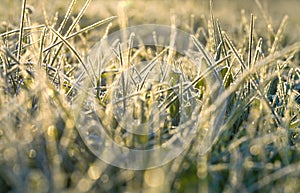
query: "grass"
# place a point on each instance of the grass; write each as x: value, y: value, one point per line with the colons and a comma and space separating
x: 256, y: 150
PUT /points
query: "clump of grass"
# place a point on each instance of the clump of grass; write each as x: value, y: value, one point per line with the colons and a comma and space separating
x: 256, y: 150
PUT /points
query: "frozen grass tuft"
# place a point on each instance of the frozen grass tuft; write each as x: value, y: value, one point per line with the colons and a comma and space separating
x: 256, y: 150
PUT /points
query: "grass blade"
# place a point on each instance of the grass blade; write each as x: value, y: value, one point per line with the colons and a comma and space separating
x: 250, y: 40
x: 71, y: 28
x: 21, y: 29
x: 76, y: 54
x: 30, y: 28
x: 86, y: 29
x: 67, y: 16
x: 279, y: 33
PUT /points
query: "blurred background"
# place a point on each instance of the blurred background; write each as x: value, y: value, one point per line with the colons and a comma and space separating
x: 155, y: 11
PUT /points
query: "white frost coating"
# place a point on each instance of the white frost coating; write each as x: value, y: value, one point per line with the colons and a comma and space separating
x: 134, y: 99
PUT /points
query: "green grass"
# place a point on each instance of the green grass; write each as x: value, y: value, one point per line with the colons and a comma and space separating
x: 257, y: 149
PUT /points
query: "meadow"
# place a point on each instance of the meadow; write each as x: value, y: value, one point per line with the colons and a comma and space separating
x: 251, y: 48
